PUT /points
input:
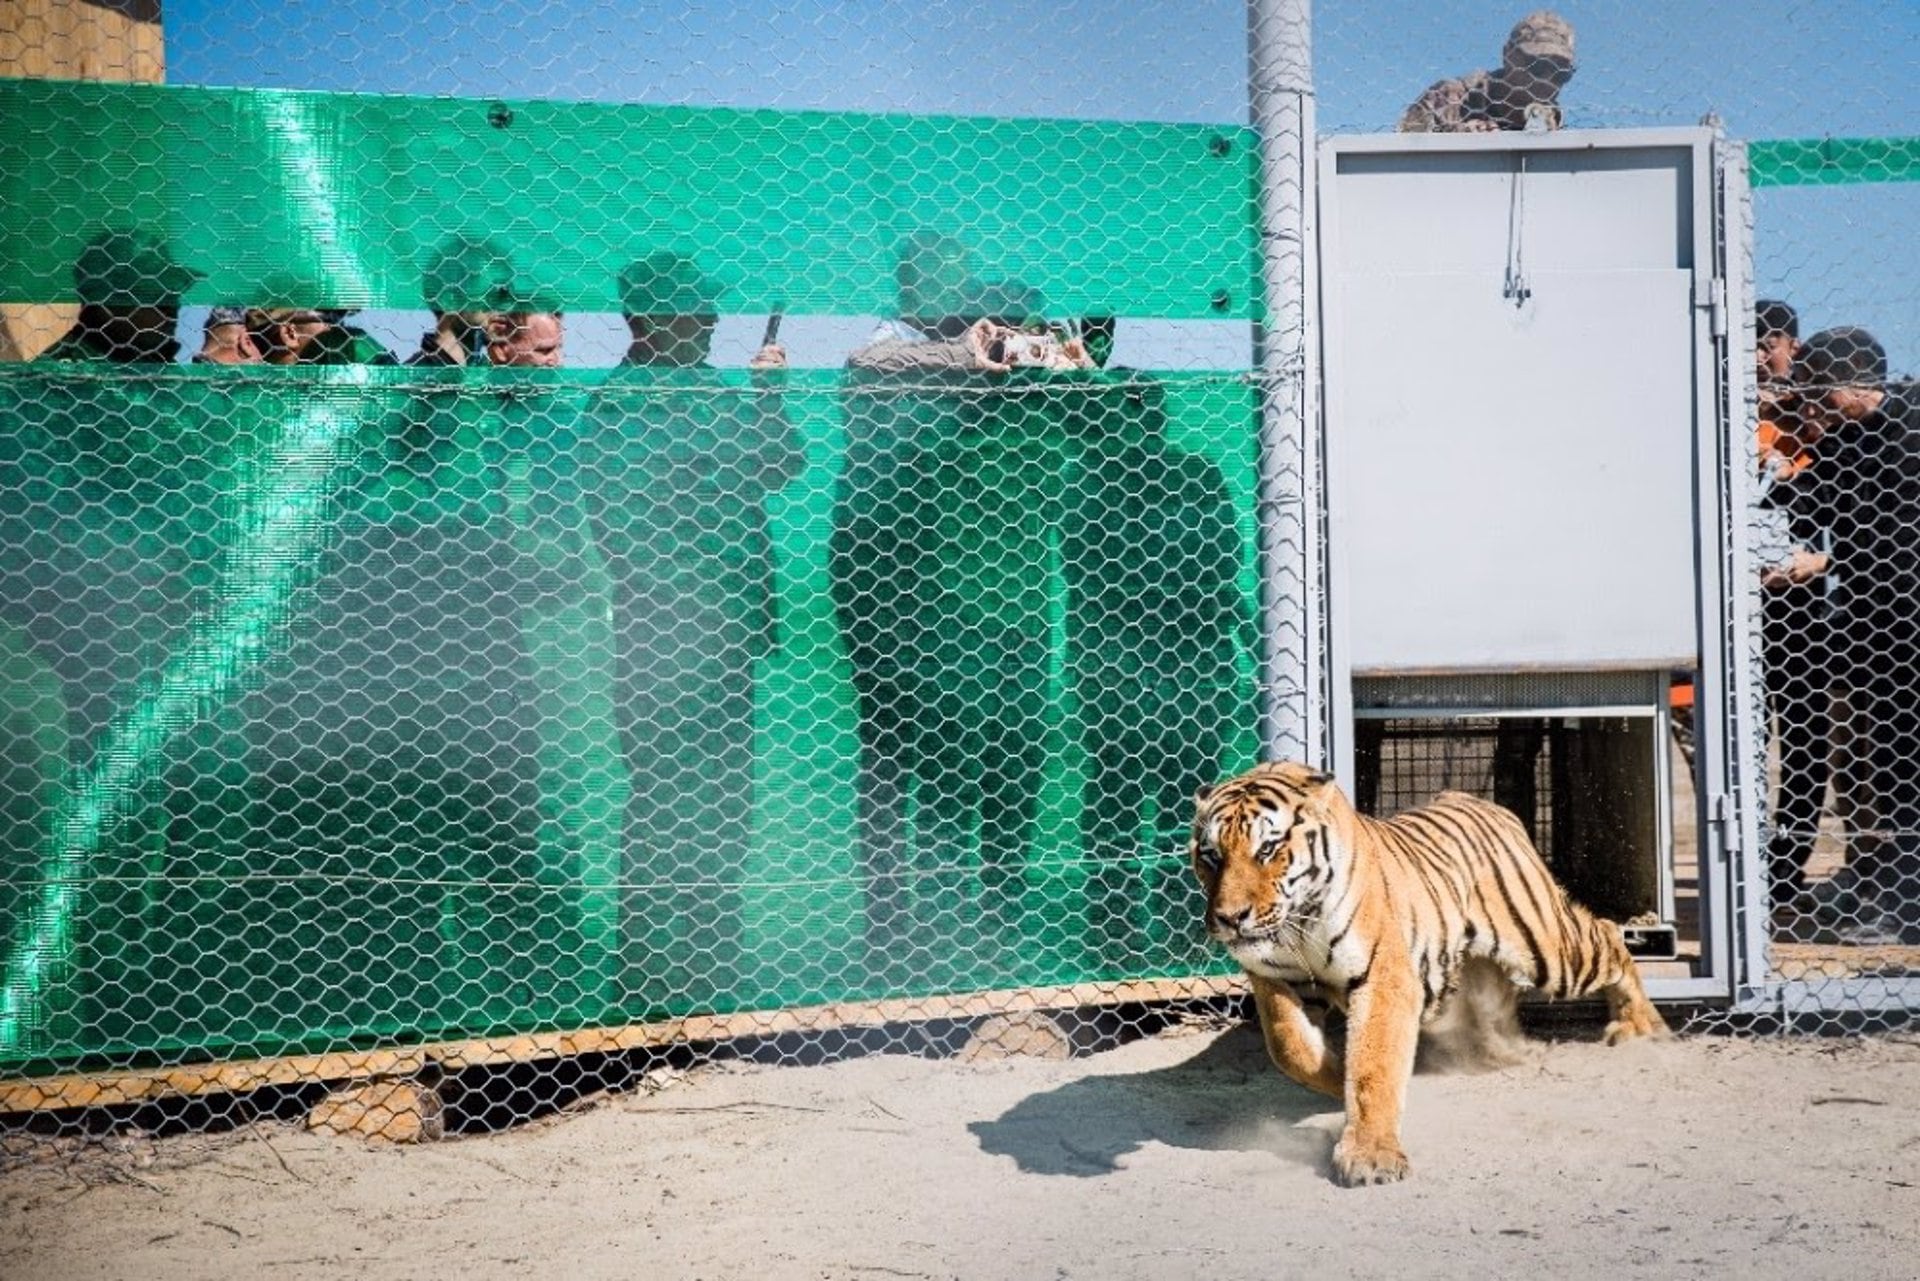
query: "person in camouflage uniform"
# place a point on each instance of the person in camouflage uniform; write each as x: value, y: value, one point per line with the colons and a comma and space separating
x: 677, y: 465
x: 1535, y: 66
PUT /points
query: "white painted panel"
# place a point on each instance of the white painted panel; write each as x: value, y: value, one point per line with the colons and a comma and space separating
x: 1514, y: 480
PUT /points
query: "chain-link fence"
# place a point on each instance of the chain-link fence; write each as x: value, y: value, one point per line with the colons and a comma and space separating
x: 612, y: 575
x: 592, y: 531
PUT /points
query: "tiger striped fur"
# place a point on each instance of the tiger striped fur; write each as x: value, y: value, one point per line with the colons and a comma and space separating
x: 1385, y: 919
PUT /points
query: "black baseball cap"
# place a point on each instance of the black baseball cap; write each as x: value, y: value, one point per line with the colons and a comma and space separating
x: 1771, y: 316
x: 1846, y: 356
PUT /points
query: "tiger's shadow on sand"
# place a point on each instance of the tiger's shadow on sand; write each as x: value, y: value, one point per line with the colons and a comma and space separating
x: 1227, y: 1098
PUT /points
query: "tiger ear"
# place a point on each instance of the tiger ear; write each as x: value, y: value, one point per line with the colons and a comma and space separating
x: 1319, y: 787
x: 1205, y: 791
x: 1314, y: 786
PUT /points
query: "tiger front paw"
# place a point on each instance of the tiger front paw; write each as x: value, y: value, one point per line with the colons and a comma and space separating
x: 1358, y: 1162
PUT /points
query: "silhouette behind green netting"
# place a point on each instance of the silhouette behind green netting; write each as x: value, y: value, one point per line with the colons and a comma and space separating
x: 1156, y: 630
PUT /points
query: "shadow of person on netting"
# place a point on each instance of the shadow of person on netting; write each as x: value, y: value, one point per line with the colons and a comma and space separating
x: 1227, y: 1098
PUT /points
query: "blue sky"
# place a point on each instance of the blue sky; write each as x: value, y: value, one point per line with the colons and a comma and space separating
x: 1769, y: 68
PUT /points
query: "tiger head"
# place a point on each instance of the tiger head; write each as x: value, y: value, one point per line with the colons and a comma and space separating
x: 1263, y: 845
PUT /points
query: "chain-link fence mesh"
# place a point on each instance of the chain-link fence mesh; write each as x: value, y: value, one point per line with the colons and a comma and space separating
x: 615, y: 573
x: 592, y: 530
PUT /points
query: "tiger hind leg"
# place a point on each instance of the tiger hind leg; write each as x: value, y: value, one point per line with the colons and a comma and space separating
x: 1477, y: 1027
x: 1599, y: 955
x: 1631, y: 1014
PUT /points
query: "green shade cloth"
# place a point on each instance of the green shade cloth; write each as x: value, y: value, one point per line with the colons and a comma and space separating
x: 360, y: 705
x: 1793, y: 162
x: 339, y: 702
x: 351, y: 200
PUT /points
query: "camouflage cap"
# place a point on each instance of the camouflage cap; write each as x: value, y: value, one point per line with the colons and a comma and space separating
x: 466, y: 273
x: 935, y: 276
x: 666, y: 283
x: 131, y: 269
x: 218, y: 316
x: 1010, y: 302
x: 1544, y: 34
x: 1846, y: 356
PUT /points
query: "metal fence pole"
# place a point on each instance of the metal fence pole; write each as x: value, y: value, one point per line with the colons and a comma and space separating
x: 1280, y: 91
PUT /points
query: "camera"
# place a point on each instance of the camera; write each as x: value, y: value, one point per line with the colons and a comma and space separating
x: 1037, y: 350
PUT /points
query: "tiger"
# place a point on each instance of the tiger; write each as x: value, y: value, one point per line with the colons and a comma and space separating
x: 1388, y: 920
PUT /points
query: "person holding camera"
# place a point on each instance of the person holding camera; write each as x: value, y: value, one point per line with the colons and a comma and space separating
x: 1795, y: 615
x: 943, y: 516
x: 943, y: 324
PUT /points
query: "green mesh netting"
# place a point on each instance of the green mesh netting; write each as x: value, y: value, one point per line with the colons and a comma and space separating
x: 356, y: 704
x: 1788, y: 162
x: 316, y: 199
x: 368, y: 703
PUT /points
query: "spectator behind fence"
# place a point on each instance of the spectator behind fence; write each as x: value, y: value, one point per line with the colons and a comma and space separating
x: 446, y: 693
x: 893, y: 404
x: 1865, y: 491
x: 129, y: 285
x: 1795, y: 621
x: 1150, y: 555
x: 676, y: 330
x: 1776, y: 327
x: 678, y: 463
x: 226, y: 339
x: 1097, y: 334
x: 933, y: 274
x: 343, y: 344
x: 526, y: 339
x: 1535, y: 66
x: 313, y: 336
x: 948, y: 500
x: 462, y: 282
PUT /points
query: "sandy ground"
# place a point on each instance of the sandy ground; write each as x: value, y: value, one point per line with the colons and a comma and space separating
x: 1181, y: 1155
